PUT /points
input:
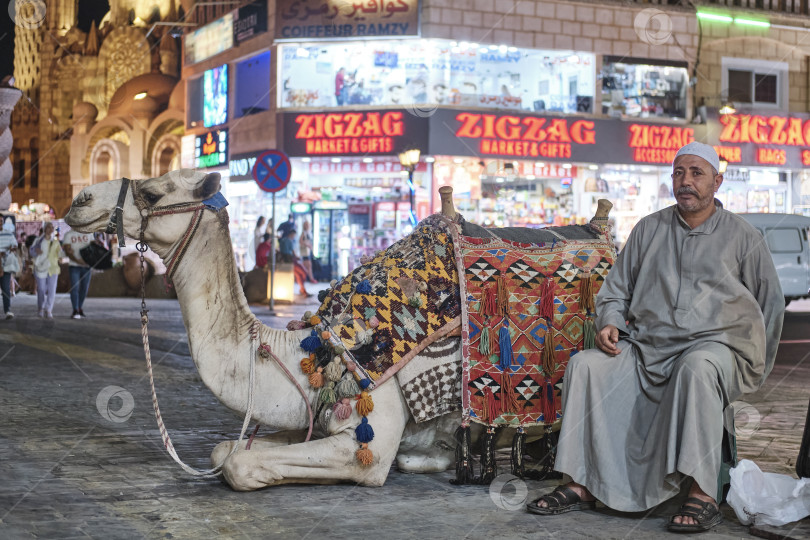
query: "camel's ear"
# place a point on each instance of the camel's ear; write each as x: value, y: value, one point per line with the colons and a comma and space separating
x: 208, y: 187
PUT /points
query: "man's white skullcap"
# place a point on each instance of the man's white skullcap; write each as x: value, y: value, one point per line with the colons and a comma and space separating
x: 700, y: 149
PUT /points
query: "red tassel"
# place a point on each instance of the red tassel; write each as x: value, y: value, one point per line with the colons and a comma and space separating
x: 490, y: 408
x: 503, y: 297
x: 547, y: 301
x: 549, y: 406
x: 549, y: 362
x: 509, y: 401
x: 490, y: 300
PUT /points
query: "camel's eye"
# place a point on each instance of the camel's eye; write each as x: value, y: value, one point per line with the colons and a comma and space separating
x: 151, y: 198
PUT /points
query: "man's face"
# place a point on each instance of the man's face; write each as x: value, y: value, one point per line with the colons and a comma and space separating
x: 694, y: 183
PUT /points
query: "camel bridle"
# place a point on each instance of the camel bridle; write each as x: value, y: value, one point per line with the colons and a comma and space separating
x: 115, y: 225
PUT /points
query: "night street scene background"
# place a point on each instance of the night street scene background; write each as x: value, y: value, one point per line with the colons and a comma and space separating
x: 297, y: 171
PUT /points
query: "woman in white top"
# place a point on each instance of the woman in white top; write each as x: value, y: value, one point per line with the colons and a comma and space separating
x: 46, y: 252
x: 305, y: 249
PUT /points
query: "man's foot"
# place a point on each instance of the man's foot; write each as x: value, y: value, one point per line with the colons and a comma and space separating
x: 49, y: 315
x: 81, y: 314
x: 75, y: 314
x: 699, y: 512
x: 41, y: 313
x: 9, y: 316
x: 563, y: 499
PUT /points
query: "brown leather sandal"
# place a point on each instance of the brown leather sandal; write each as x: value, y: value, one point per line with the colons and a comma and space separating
x: 563, y: 499
x: 705, y: 513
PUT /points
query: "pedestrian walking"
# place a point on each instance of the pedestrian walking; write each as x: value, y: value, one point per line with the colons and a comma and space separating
x: 46, y: 252
x: 80, y: 272
x: 9, y: 263
x: 305, y: 249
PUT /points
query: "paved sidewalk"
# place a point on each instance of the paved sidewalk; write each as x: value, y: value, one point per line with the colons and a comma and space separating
x: 67, y: 472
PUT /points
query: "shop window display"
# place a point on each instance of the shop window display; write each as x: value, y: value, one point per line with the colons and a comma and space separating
x: 643, y: 90
x: 436, y: 72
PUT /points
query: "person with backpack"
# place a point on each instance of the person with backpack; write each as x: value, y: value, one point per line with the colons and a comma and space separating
x: 46, y: 252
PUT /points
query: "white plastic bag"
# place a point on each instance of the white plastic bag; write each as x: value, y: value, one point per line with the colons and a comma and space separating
x: 767, y: 498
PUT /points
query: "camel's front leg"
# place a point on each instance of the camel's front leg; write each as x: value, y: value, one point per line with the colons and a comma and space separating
x: 329, y: 460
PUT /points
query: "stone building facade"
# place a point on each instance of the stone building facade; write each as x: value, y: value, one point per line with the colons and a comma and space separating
x: 71, y: 81
x: 71, y: 78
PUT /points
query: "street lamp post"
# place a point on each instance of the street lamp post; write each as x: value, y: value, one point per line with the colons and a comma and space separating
x: 409, y: 159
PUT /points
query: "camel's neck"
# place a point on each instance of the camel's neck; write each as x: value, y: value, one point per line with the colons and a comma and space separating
x: 215, y: 311
x: 218, y: 320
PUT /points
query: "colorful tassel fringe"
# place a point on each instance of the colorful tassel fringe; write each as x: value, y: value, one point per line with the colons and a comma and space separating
x: 589, y: 334
x: 503, y: 297
x: 364, y: 404
x: 342, y: 409
x: 311, y: 343
x: 547, y: 301
x: 509, y: 401
x: 334, y: 371
x: 328, y: 397
x: 549, y: 409
x: 549, y: 362
x: 490, y: 300
x: 586, y: 300
x: 364, y: 455
x: 363, y: 432
x: 490, y: 408
x: 347, y: 387
x: 307, y: 366
x: 505, y: 344
x: 316, y: 379
x: 483, y: 343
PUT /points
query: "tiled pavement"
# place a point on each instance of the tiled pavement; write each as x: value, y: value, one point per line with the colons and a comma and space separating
x: 66, y: 472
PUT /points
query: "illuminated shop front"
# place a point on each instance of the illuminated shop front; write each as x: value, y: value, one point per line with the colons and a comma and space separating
x: 644, y: 88
x: 397, y: 72
x: 348, y: 161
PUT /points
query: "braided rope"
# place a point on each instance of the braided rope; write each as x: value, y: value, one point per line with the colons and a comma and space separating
x: 184, y: 242
x: 164, y: 434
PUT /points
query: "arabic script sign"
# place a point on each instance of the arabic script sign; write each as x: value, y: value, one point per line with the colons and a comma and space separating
x: 331, y: 19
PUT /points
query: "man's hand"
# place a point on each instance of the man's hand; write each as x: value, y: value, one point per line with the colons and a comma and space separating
x: 607, y: 338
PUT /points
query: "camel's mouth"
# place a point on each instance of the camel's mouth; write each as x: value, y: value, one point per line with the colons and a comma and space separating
x: 85, y: 224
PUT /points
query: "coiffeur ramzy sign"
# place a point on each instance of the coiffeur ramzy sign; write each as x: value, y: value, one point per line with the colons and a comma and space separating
x: 330, y: 19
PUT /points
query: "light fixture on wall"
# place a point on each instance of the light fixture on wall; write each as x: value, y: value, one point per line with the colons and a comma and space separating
x: 723, y: 166
x: 727, y: 108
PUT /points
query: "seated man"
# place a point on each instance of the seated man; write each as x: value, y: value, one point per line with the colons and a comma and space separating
x: 688, y: 319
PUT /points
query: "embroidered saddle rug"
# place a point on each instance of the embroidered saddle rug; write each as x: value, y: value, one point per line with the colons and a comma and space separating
x: 527, y: 308
x: 393, y: 306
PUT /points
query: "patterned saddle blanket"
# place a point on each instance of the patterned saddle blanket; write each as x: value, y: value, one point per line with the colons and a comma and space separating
x: 409, y: 296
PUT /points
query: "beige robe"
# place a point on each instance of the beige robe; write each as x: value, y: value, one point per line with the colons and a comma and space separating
x: 699, y: 313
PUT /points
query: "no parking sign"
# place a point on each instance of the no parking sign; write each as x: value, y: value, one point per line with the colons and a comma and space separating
x: 272, y: 171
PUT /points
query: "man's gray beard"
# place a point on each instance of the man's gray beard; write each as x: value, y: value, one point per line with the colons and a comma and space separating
x: 699, y: 205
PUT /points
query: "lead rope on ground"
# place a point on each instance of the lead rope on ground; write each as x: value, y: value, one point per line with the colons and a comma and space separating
x: 167, y: 441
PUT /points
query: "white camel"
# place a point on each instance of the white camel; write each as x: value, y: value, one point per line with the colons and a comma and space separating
x: 218, y: 321
x: 196, y: 247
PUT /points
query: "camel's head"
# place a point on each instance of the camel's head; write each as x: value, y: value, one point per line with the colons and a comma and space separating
x: 92, y: 207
